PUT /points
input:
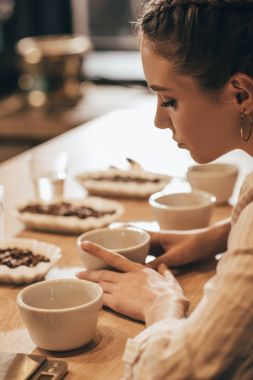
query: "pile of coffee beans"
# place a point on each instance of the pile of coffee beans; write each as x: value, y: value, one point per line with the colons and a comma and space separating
x: 15, y: 257
x: 65, y: 209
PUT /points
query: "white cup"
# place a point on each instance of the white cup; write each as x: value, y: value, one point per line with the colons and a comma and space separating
x: 48, y: 173
x: 131, y: 242
x: 61, y: 314
x: 217, y: 178
x: 182, y: 211
x: 1, y: 211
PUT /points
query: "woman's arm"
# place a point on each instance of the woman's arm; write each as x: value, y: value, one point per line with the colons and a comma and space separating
x: 186, y: 247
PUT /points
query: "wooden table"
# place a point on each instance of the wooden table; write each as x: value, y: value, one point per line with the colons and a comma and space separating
x: 105, y: 141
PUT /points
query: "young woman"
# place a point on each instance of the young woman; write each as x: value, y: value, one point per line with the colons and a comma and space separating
x: 197, y: 56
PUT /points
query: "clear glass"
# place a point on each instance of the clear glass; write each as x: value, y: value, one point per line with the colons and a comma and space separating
x: 1, y: 211
x: 48, y: 173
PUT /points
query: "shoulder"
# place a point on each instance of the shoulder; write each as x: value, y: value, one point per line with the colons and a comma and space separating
x: 245, y: 197
x: 247, y: 185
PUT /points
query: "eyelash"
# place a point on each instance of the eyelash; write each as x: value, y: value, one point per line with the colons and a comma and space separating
x: 170, y: 103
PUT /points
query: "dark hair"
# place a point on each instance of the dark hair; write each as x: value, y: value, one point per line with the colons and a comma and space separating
x: 208, y: 39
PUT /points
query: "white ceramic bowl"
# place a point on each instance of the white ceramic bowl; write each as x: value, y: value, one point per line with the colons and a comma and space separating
x: 218, y: 179
x: 130, y: 242
x: 25, y: 274
x: 182, y: 211
x: 61, y: 314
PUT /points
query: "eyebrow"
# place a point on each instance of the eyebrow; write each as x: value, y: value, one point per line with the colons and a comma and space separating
x: 157, y: 88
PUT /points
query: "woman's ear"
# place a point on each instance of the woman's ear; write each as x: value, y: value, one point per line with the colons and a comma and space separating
x: 241, y: 91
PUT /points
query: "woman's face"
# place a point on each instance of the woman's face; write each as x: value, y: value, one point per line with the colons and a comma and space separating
x: 205, y: 126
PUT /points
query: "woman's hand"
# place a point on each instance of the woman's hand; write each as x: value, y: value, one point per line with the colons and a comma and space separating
x: 186, y: 247
x: 139, y: 292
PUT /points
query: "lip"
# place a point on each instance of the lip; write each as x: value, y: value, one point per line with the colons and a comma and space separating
x: 180, y: 145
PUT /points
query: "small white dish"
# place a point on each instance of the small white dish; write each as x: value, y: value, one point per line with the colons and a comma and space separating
x: 182, y: 211
x: 61, y: 314
x: 24, y: 274
x: 217, y: 178
x: 132, y: 183
x: 72, y: 224
x: 131, y: 242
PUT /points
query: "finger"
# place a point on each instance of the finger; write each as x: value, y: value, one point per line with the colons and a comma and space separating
x: 172, y: 257
x: 165, y: 272
x: 156, y: 237
x: 151, y: 265
x: 99, y: 275
x: 109, y: 301
x: 161, y: 237
x: 107, y: 287
x: 155, y: 264
x: 111, y: 258
x: 159, y: 260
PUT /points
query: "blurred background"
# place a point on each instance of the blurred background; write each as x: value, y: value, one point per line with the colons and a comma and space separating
x: 64, y: 62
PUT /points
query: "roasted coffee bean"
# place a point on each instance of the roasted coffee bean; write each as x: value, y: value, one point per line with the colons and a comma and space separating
x: 14, y: 257
x: 119, y: 178
x: 65, y: 209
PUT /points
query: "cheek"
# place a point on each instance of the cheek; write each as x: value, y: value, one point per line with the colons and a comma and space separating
x: 199, y: 121
x: 189, y: 125
x: 219, y: 135
x: 202, y: 132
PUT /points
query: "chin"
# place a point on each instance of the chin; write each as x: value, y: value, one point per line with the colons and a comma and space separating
x: 204, y: 158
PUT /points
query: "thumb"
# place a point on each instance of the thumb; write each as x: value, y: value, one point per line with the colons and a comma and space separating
x: 170, y: 258
x: 157, y: 237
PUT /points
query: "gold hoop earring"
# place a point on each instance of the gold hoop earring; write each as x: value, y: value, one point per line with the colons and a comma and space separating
x: 242, y: 123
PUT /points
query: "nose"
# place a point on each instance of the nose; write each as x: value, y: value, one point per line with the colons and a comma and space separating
x: 162, y: 119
